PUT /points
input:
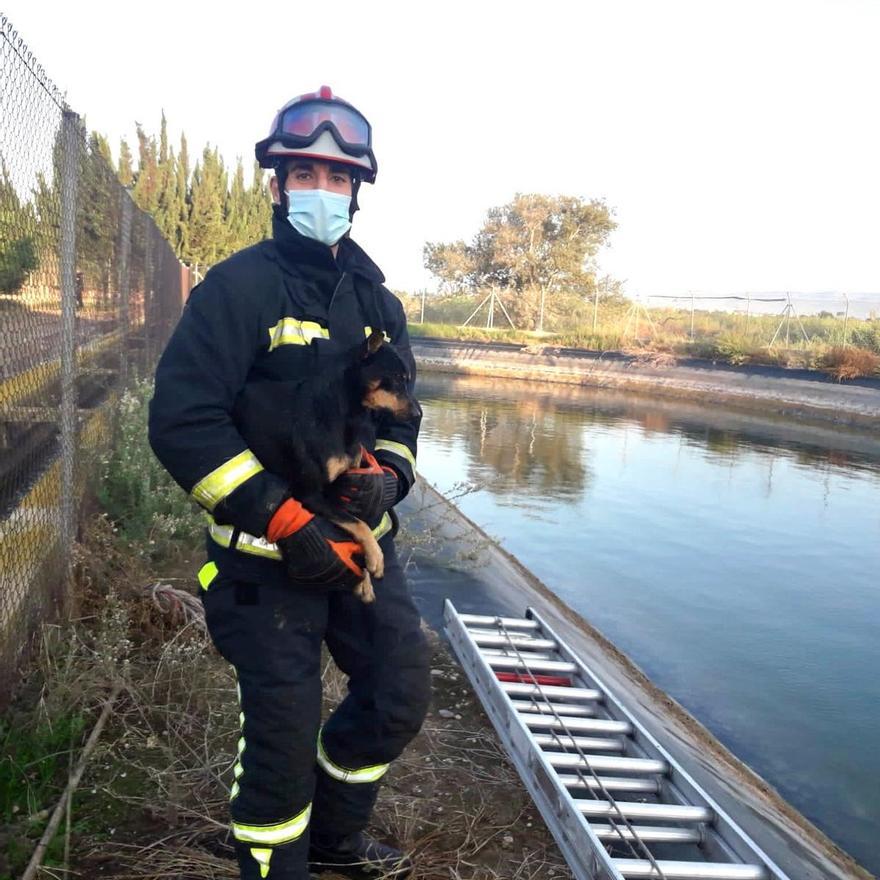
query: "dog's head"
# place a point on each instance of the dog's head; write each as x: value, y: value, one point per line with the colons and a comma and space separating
x: 385, y: 378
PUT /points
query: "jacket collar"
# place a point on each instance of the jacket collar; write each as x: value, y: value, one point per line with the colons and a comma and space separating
x: 296, y: 250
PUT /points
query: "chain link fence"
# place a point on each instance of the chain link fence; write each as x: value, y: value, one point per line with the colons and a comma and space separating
x: 89, y: 293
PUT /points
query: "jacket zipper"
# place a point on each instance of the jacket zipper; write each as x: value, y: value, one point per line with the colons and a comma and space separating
x: 333, y: 297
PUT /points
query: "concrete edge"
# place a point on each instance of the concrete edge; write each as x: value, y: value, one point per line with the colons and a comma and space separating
x: 797, y: 398
x: 504, y: 571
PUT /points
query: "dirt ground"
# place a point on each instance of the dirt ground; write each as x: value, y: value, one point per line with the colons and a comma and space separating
x: 153, y: 800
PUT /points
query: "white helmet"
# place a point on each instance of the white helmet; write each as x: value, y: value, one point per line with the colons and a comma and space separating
x: 319, y: 125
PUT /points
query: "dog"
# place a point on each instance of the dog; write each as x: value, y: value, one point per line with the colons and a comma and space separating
x: 309, y: 431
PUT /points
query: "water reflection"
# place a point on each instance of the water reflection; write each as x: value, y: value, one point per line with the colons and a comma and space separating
x: 733, y: 557
x: 526, y: 442
x: 536, y: 436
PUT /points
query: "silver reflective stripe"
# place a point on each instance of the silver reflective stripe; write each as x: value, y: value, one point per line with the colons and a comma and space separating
x: 346, y: 774
x: 368, y: 330
x: 261, y: 547
x: 398, y: 449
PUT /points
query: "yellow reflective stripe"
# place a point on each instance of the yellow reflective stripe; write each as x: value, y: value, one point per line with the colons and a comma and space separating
x: 369, y: 330
x: 283, y: 832
x: 221, y: 534
x: 384, y: 526
x: 290, y: 331
x: 343, y: 774
x: 212, y: 489
x: 261, y: 547
x: 238, y: 769
x: 398, y: 449
x: 262, y: 856
x: 207, y: 573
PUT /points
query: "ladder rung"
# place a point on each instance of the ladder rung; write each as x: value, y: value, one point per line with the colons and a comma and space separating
x: 489, y: 620
x: 647, y: 833
x: 522, y: 643
x: 635, y: 810
x: 567, y: 709
x: 509, y: 652
x: 589, y: 725
x: 550, y: 741
x: 611, y: 783
x: 690, y: 870
x: 497, y: 662
x: 610, y: 763
x: 525, y: 689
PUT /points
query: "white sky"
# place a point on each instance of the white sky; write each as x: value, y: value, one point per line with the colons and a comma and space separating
x: 738, y: 142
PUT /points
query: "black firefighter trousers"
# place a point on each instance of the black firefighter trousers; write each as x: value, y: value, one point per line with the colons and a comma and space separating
x: 292, y: 776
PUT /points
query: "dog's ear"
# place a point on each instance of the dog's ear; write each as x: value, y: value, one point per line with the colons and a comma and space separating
x: 374, y: 342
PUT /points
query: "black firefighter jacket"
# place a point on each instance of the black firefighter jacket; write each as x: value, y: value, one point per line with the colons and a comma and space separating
x: 276, y: 310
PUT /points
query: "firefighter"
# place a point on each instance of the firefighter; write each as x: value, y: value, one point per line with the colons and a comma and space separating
x: 276, y: 584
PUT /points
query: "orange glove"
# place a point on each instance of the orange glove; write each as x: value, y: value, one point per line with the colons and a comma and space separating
x: 315, y: 551
x: 367, y: 491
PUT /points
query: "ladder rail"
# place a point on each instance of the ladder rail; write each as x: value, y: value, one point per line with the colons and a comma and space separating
x: 567, y: 824
x: 569, y: 827
x: 606, y: 805
x: 506, y: 662
x: 677, y: 783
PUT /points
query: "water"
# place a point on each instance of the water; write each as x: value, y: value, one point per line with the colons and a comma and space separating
x: 735, y: 559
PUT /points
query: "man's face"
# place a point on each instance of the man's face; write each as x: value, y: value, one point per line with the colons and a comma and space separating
x: 315, y: 174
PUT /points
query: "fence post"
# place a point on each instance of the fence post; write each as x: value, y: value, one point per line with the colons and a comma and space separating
x: 845, y: 318
x: 125, y: 283
x: 748, y: 310
x: 71, y: 144
x: 422, y: 316
x: 596, y: 305
x: 147, y: 319
x: 692, y: 316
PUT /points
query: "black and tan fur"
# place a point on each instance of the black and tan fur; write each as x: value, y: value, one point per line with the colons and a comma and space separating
x: 309, y: 431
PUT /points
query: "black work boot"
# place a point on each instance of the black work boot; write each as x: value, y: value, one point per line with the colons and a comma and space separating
x: 359, y: 856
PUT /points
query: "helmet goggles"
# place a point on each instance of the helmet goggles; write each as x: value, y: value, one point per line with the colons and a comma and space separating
x: 323, y: 126
x: 301, y: 124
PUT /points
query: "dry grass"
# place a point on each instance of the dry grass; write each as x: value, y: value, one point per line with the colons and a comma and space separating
x: 850, y: 363
x: 153, y: 803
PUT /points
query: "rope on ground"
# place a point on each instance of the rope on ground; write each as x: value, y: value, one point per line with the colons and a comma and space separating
x: 171, y: 600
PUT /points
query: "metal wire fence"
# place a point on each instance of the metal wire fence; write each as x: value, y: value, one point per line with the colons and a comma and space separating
x: 89, y: 292
x: 703, y: 324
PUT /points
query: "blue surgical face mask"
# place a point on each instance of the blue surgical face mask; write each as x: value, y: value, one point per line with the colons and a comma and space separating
x: 319, y: 214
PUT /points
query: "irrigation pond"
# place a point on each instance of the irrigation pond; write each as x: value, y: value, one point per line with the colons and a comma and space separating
x: 734, y: 558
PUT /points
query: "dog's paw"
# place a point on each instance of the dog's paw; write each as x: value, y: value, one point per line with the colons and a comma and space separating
x: 364, y: 590
x: 375, y: 563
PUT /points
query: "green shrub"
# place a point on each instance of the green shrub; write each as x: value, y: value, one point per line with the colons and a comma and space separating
x: 866, y: 335
x: 18, y: 259
x: 137, y: 493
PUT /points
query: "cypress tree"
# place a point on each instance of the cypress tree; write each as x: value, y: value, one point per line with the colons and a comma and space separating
x: 146, y: 184
x: 207, y: 231
x: 124, y: 170
x: 183, y: 198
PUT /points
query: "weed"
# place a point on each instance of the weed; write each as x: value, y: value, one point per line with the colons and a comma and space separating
x: 137, y: 493
x: 850, y: 363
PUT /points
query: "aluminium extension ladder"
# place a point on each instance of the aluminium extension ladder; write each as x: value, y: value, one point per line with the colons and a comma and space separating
x: 578, y: 750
